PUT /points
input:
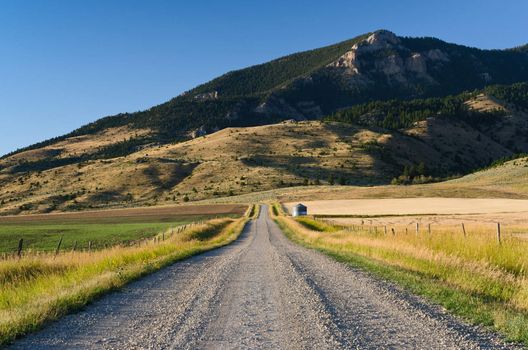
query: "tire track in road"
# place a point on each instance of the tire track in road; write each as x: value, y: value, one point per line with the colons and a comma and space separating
x: 261, y: 292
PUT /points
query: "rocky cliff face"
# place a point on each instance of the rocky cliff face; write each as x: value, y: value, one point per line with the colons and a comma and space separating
x: 380, y: 58
x: 384, y: 66
x: 382, y: 55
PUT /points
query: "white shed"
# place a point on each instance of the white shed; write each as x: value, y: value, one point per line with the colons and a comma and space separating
x: 299, y: 210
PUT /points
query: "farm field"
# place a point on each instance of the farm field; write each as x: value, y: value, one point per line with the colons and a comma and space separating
x: 101, y: 228
x: 407, y: 206
x: 36, y: 288
x: 403, y: 214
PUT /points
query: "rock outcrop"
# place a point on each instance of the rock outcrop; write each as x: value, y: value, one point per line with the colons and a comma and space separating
x: 383, y: 53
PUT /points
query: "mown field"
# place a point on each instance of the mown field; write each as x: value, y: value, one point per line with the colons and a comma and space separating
x: 473, y: 275
x: 100, y: 229
x: 37, y: 288
x: 414, y: 206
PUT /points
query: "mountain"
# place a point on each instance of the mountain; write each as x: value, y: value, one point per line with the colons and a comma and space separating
x: 371, y: 110
x: 311, y: 84
x: 375, y: 143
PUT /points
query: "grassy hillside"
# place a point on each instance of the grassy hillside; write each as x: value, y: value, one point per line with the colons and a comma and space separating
x: 506, y: 180
x: 237, y: 161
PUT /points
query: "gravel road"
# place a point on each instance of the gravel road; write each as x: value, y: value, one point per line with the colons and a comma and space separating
x: 261, y: 292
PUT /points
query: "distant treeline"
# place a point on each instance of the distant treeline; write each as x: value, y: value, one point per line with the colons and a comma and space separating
x: 400, y: 114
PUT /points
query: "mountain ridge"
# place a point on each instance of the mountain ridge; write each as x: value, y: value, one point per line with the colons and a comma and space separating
x: 211, y: 106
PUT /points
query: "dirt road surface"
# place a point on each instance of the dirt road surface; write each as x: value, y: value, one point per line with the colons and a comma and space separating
x: 262, y: 292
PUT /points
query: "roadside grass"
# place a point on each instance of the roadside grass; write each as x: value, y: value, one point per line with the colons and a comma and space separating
x: 474, y: 276
x: 45, y: 237
x: 42, y: 287
x: 317, y: 225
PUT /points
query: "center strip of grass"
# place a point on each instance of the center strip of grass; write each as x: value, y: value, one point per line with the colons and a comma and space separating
x: 38, y: 288
x: 484, y: 284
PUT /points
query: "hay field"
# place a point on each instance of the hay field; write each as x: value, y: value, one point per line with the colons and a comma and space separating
x: 416, y: 206
x: 402, y: 214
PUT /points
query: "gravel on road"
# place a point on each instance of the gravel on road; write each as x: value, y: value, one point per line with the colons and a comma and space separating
x: 261, y: 292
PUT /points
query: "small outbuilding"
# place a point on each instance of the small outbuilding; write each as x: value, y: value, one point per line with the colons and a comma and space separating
x: 299, y: 210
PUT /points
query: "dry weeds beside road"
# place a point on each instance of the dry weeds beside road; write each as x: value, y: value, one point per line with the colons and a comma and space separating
x: 262, y: 292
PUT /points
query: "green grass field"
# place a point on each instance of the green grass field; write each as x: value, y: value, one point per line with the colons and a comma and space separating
x: 44, y: 236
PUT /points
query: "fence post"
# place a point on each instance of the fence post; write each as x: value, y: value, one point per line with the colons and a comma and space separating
x: 58, y: 246
x: 89, y: 246
x: 75, y: 246
x: 20, y: 244
x: 498, y: 232
x: 464, y: 229
x: 429, y: 228
x: 417, y: 228
x: 393, y: 232
x: 385, y: 229
x: 406, y: 230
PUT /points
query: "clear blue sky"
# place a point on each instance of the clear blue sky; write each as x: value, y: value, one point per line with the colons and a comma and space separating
x: 66, y: 63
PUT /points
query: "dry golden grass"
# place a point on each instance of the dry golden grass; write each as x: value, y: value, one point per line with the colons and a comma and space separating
x: 446, y: 265
x: 233, y: 163
x: 406, y: 206
x: 41, y: 287
x: 77, y: 145
x: 509, y: 180
x: 485, y: 103
x: 490, y: 221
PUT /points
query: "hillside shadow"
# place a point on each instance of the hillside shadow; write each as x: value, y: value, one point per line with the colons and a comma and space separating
x: 178, y: 173
x: 305, y: 167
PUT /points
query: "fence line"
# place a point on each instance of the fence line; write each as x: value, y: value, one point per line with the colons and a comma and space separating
x: 21, y: 250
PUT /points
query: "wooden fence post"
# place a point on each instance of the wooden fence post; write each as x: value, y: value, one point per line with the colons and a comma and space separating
x: 393, y: 232
x: 498, y: 232
x: 464, y: 229
x: 89, y: 246
x: 417, y: 228
x: 58, y: 246
x: 406, y: 230
x: 385, y: 229
x: 20, y: 244
x: 429, y: 228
